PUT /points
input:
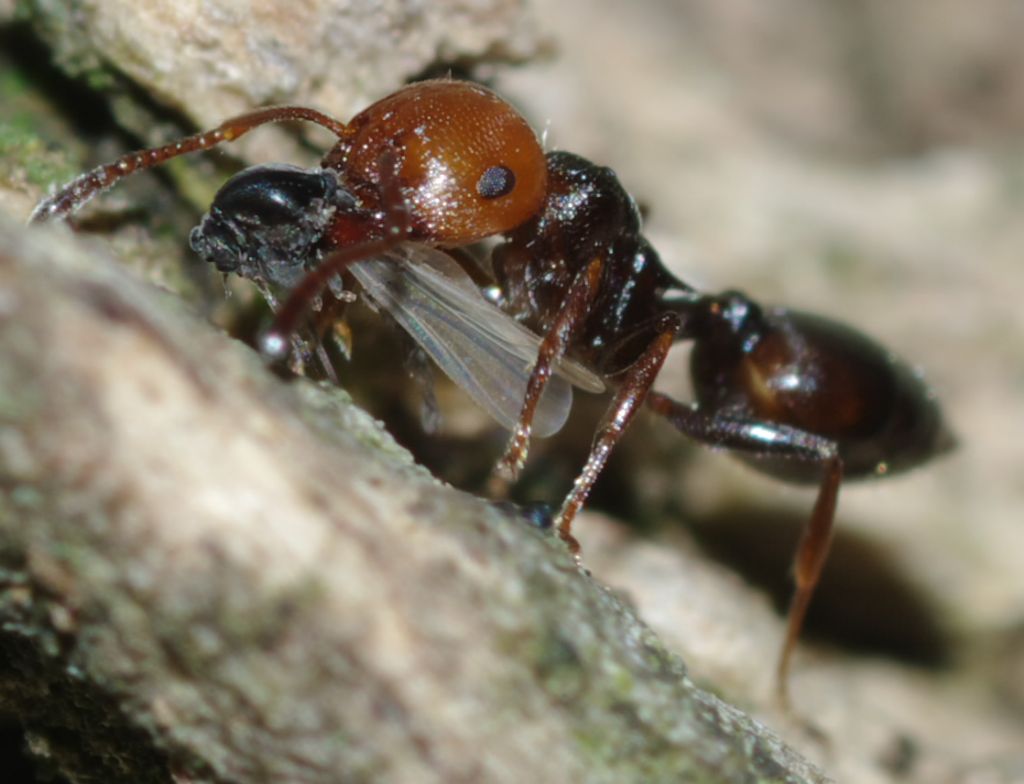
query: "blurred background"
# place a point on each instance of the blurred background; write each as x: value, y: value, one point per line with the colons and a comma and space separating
x: 861, y: 159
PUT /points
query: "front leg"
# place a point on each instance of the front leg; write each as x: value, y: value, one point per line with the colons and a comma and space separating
x: 303, y: 347
x: 566, y: 326
x: 769, y: 439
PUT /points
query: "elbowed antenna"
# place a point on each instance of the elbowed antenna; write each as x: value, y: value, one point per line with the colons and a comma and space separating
x: 75, y: 194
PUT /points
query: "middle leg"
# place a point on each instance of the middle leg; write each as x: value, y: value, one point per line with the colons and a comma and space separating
x: 630, y: 395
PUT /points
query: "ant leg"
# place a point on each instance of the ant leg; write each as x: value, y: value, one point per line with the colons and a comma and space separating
x: 80, y: 190
x: 274, y: 343
x: 303, y: 347
x: 628, y: 398
x: 769, y: 439
x: 325, y: 361
x: 393, y: 231
x: 807, y: 565
x: 570, y: 317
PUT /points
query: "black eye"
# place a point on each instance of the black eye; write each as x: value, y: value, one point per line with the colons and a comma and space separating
x: 496, y: 181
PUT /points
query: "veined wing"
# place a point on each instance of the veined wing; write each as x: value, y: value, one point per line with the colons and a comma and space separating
x: 482, y: 349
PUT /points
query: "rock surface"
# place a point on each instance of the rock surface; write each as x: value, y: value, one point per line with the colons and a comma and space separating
x: 863, y: 163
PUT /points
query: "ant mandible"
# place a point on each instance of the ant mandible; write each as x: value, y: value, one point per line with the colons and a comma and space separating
x: 442, y: 164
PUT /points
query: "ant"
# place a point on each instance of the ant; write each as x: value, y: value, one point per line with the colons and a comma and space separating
x: 577, y: 296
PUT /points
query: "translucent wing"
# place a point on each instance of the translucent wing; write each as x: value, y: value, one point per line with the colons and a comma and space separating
x: 482, y: 349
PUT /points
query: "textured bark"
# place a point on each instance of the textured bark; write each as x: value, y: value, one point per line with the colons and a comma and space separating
x: 743, y: 132
x: 215, y: 58
x: 209, y: 575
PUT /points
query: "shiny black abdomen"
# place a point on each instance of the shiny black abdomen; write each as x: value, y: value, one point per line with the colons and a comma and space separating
x: 821, y: 377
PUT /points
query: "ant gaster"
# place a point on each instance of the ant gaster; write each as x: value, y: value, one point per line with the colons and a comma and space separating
x: 442, y: 164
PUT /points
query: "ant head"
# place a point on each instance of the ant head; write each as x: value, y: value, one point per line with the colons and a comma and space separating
x: 267, y: 222
x: 468, y: 164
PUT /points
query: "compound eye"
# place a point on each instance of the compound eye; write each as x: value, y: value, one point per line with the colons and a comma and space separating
x: 497, y: 181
